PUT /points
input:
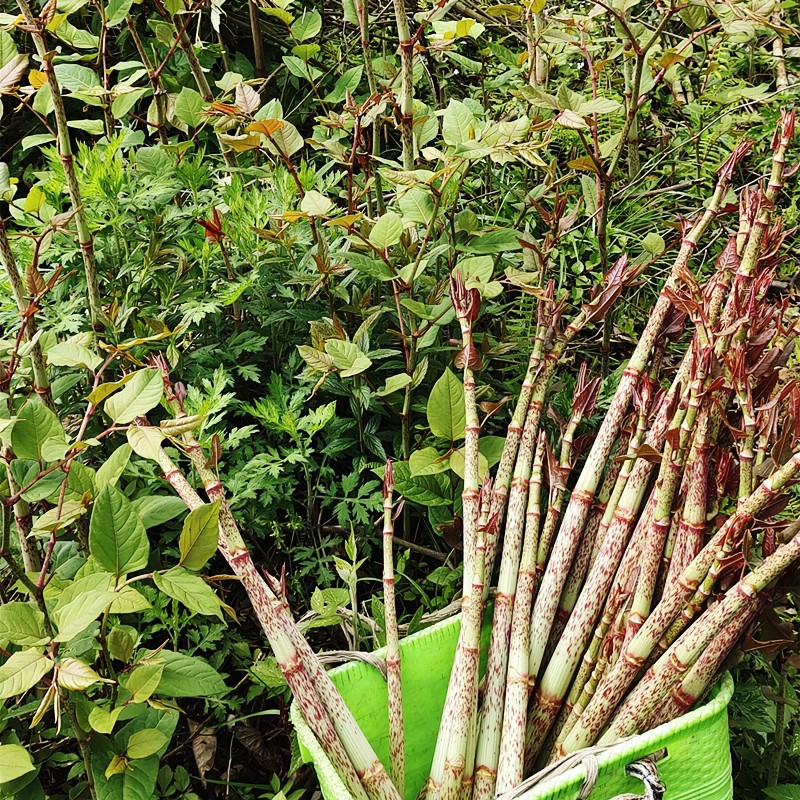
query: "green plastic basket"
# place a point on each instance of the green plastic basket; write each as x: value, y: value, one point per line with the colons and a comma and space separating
x: 695, y: 766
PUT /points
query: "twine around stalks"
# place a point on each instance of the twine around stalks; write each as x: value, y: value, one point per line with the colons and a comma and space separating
x: 644, y: 769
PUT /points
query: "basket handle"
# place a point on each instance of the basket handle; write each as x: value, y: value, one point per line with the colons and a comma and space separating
x: 647, y: 772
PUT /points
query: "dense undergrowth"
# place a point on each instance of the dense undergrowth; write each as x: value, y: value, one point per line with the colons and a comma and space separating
x: 271, y: 208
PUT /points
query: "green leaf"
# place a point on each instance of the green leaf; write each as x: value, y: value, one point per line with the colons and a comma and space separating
x: 427, y: 490
x: 188, y: 106
x: 121, y: 641
x: 145, y: 743
x: 788, y: 791
x: 199, y: 536
x: 457, y: 464
x: 22, y: 624
x: 348, y: 82
x: 81, y: 603
x: 21, y: 671
x: 76, y: 78
x: 387, y: 231
x: 307, y: 26
x: 8, y: 50
x: 457, y: 123
x: 117, y: 538
x: 143, y: 681
x: 315, y: 204
x: 15, y: 761
x: 140, y: 394
x: 347, y: 357
x: 428, y: 461
x: 394, y: 383
x: 128, y: 600
x: 37, y: 433
x: 187, y: 676
x: 158, y: 510
x: 93, y: 126
x: 109, y: 473
x: 76, y: 676
x: 190, y: 590
x: 103, y: 720
x: 285, y: 141
x: 116, y: 11
x: 416, y: 205
x: 501, y: 241
x: 145, y: 441
x: 72, y: 354
x: 445, y: 411
x: 602, y: 105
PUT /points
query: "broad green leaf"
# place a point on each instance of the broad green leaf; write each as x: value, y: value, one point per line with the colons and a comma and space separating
x: 158, y: 510
x: 116, y: 11
x: 307, y: 26
x: 394, y: 383
x: 93, y: 126
x: 22, y: 624
x: 500, y: 241
x: 187, y: 676
x: 445, y: 410
x: 23, y: 670
x: 8, y: 50
x: 190, y: 590
x: 348, y: 82
x: 188, y: 106
x: 37, y: 434
x: 286, y: 140
x: 109, y: 473
x: 416, y: 205
x: 199, y: 536
x: 72, y: 354
x: 602, y: 105
x: 138, y: 396
x: 457, y: 464
x: 476, y: 270
x: 387, y: 231
x: 81, y: 603
x: 103, y: 720
x: 347, y: 357
x: 315, y: 204
x: 428, y: 461
x: 76, y: 78
x: 457, y: 123
x: 117, y: 538
x: 128, y: 600
x: 145, y: 743
x: 76, y: 676
x: 145, y: 441
x: 427, y: 490
x: 143, y: 681
x: 491, y: 447
x: 121, y: 641
x: 15, y: 761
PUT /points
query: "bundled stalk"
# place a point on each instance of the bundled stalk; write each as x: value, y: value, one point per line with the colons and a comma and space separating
x: 605, y: 620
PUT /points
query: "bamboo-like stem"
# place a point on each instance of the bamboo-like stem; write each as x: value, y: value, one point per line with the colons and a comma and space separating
x: 41, y: 382
x: 362, y: 758
x: 696, y: 681
x: 397, y: 757
x: 512, y: 740
x: 617, y: 682
x: 159, y: 93
x: 449, y: 758
x: 781, y: 76
x: 658, y: 681
x: 266, y: 607
x: 508, y: 457
x: 406, y: 83
x: 582, y: 497
x: 85, y: 239
x: 185, y: 43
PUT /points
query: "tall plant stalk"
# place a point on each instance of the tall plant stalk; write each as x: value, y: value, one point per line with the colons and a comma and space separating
x: 36, y: 28
x: 397, y: 758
